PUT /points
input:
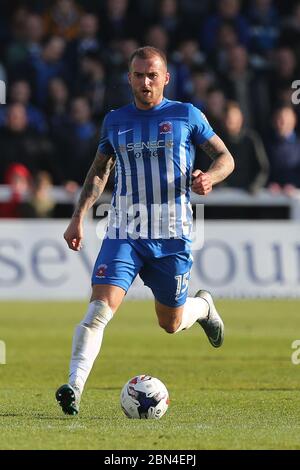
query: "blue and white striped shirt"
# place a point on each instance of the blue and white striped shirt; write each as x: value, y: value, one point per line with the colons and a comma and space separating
x: 155, y: 152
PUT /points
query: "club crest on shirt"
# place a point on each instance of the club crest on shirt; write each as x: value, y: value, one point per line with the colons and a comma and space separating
x: 165, y: 127
x: 101, y: 270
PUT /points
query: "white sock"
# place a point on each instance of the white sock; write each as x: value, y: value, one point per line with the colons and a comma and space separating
x: 195, y: 308
x: 87, y: 342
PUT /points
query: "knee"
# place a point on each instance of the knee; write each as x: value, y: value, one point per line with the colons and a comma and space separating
x: 170, y: 327
x: 107, y: 301
x: 108, y: 294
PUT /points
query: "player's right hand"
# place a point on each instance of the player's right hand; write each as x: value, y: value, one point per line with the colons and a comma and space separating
x: 74, y: 234
x: 201, y: 183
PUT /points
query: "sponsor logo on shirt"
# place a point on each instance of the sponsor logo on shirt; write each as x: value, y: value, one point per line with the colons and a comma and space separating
x: 146, y: 149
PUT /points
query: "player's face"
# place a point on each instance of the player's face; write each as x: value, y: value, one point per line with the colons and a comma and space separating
x: 148, y: 78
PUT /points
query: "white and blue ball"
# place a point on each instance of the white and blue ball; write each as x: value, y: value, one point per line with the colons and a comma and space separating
x: 144, y: 397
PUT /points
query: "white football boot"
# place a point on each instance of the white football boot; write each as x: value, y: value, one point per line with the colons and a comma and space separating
x: 213, y: 324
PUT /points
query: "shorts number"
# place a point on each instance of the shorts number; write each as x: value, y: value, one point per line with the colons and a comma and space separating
x: 182, y: 283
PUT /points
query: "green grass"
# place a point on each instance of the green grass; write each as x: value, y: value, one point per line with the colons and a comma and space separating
x: 243, y: 396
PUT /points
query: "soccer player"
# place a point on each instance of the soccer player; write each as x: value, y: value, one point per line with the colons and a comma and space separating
x: 152, y: 144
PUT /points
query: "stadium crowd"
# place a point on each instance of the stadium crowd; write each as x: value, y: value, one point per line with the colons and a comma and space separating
x: 64, y: 63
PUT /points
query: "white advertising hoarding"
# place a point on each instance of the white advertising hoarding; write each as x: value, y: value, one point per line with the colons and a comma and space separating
x: 238, y: 259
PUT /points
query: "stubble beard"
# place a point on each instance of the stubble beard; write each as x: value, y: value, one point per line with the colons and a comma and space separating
x: 146, y: 100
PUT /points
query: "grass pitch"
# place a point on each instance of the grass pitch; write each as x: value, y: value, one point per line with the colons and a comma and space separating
x: 243, y: 396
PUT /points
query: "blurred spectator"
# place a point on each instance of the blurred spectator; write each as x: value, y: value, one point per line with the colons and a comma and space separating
x: 214, y: 109
x: 20, y: 92
x: 157, y: 37
x: 63, y: 18
x: 187, y: 58
x: 40, y: 203
x: 144, y: 9
x: 202, y: 79
x: 86, y: 42
x: 49, y: 65
x: 20, y: 144
x: 84, y: 129
x: 285, y: 71
x: 227, y: 10
x: 80, y: 141
x: 116, y: 22
x: 249, y: 89
x: 18, y: 177
x: 35, y: 33
x: 189, y: 53
x: 169, y: 18
x: 118, y: 90
x: 121, y: 53
x: 284, y: 152
x: 264, y: 26
x: 18, y: 22
x: 126, y: 47
x: 57, y: 105
x: 290, y: 32
x: 92, y: 83
x: 4, y: 30
x: 227, y: 38
x: 251, y: 162
x: 193, y: 13
x: 284, y: 98
x: 30, y: 44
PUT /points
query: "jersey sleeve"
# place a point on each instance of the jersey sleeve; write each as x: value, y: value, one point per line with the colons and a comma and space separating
x: 105, y: 146
x: 201, y: 130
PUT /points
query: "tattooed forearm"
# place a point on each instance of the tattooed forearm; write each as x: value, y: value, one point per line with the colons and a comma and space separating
x: 215, y: 147
x: 221, y: 168
x: 223, y: 163
x: 94, y: 183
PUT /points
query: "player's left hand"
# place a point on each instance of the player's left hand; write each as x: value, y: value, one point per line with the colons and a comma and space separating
x: 202, y: 183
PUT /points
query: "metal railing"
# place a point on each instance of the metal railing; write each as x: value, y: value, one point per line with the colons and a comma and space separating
x: 219, y: 197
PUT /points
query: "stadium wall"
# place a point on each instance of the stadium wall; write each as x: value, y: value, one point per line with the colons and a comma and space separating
x: 238, y: 259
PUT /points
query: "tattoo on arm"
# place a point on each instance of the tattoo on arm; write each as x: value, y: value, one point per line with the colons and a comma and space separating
x: 223, y: 163
x: 214, y: 147
x: 94, y: 183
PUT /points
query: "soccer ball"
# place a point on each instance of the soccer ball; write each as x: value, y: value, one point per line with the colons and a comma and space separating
x: 144, y: 397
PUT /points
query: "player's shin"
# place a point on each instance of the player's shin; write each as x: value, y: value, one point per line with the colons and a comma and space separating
x: 194, y: 309
x: 87, y: 342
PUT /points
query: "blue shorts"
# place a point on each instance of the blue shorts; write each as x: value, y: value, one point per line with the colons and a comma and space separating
x: 163, y: 265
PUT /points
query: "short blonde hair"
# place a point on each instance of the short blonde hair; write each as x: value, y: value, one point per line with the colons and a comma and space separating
x: 146, y: 53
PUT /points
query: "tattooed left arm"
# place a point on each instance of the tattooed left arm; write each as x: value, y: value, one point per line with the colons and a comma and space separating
x: 221, y: 167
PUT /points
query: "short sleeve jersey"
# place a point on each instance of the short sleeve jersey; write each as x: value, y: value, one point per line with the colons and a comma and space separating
x: 155, y: 152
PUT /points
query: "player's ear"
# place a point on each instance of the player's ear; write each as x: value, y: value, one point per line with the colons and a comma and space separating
x: 167, y: 78
x: 129, y: 77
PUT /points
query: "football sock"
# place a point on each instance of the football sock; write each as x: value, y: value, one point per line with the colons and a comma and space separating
x: 87, y: 342
x: 194, y: 309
